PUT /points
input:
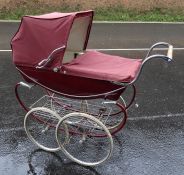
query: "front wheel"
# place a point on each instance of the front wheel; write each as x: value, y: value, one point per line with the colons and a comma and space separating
x: 89, y: 143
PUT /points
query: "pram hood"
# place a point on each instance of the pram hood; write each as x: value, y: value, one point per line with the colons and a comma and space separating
x: 38, y: 36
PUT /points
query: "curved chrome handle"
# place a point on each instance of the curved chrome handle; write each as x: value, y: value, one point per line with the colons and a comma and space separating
x: 149, y: 57
x: 51, y: 57
x: 167, y: 57
x: 170, y: 49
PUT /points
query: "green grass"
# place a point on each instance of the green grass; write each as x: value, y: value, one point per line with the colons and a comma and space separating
x: 161, y: 15
x: 108, y: 14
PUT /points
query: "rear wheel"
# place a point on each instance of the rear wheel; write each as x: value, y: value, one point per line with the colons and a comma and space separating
x: 113, y: 117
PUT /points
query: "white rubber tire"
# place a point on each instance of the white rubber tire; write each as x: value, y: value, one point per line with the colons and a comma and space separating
x: 94, y: 120
x: 32, y: 138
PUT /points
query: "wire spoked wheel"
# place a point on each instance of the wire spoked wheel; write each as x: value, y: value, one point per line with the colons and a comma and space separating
x: 111, y: 113
x: 89, y: 143
x: 114, y: 117
x: 40, y: 124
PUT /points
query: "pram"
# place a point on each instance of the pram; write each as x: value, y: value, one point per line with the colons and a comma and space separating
x: 82, y: 106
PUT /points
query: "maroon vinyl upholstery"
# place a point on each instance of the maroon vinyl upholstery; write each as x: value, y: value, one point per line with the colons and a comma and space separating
x: 38, y: 36
x: 96, y: 65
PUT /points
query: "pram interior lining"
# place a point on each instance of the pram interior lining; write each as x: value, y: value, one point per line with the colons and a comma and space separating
x: 77, y: 38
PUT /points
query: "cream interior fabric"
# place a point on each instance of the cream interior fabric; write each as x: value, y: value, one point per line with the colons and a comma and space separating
x: 77, y: 38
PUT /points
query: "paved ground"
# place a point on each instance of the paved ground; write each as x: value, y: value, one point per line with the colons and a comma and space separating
x: 152, y: 141
x: 109, y: 36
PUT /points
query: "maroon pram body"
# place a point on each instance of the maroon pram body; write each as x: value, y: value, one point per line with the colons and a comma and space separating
x: 90, y: 75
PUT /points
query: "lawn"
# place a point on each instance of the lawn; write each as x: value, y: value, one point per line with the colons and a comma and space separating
x: 114, y: 10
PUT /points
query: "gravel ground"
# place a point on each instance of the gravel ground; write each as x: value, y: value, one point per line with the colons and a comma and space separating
x: 141, y: 5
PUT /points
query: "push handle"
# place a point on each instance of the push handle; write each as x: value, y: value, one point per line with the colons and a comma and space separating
x: 170, y: 53
x: 149, y: 57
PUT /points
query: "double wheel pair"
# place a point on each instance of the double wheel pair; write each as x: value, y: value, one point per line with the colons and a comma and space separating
x: 82, y: 137
x: 84, y: 133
